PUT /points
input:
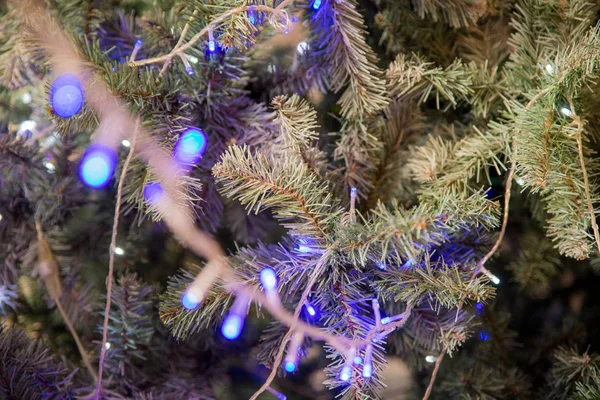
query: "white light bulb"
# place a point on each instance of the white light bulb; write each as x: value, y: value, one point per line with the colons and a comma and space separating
x: 430, y: 359
x: 119, y: 251
x: 301, y: 49
x: 26, y: 98
x: 49, y: 166
x: 520, y: 181
x: 271, y: 68
x: 566, y: 111
x: 193, y: 60
x: 495, y: 280
x: 107, y: 345
x: 0, y: 217
x: 549, y: 68
x: 28, y: 125
x: 126, y: 143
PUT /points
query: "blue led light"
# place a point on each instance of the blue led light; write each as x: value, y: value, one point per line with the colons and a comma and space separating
x: 152, y: 192
x: 97, y: 166
x: 485, y: 335
x: 380, y: 265
x: 190, y: 146
x: 138, y: 43
x: 367, y: 371
x: 289, y: 366
x: 310, y: 310
x: 345, y: 374
x: 190, y: 301
x: 212, y: 46
x: 251, y: 16
x: 232, y: 327
x: 66, y: 95
x: 385, y: 321
x: 407, y: 264
x: 316, y: 4
x: 358, y: 360
x: 268, y: 279
x: 479, y: 308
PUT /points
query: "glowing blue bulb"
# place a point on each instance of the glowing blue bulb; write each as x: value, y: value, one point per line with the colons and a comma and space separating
x: 190, y: 301
x: 367, y: 371
x: 385, y: 321
x: 485, y: 335
x: 232, y: 327
x: 345, y: 374
x: 380, y: 265
x: 211, y: 45
x: 289, y: 366
x: 251, y: 16
x: 97, y: 166
x: 310, y: 310
x: 189, y: 70
x: 281, y: 396
x: 353, y: 192
x: 316, y: 4
x: 407, y: 264
x: 358, y: 360
x: 190, y: 146
x: 479, y: 308
x: 152, y: 192
x: 66, y: 95
x: 268, y: 279
x: 138, y: 43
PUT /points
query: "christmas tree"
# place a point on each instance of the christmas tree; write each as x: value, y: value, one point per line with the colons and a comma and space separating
x: 301, y: 199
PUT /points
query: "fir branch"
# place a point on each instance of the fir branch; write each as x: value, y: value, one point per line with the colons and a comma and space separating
x: 259, y: 181
x: 340, y: 34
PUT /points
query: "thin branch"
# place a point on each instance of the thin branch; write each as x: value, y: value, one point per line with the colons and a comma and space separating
x: 111, y: 262
x: 588, y: 197
x: 511, y: 172
x: 84, y: 355
x: 234, y: 11
x: 438, y: 361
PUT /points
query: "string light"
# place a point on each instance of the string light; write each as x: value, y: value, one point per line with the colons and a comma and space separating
x: 26, y: 98
x: 152, y: 192
x: 234, y: 322
x: 303, y: 248
x: 268, y: 279
x: 126, y: 143
x: 479, y: 308
x: 310, y: 309
x: 188, y: 68
x: 49, y: 166
x: 66, y: 95
x: 566, y: 111
x: 367, y: 371
x: 385, y: 321
x: 290, y: 363
x: 97, y: 166
x: 119, y: 251
x: 1, y: 217
x: 303, y: 48
x: 190, y: 301
x: 358, y: 360
x: 232, y: 327
x: 190, y: 146
x: 485, y: 335
x: 26, y: 127
x: 107, y: 345
x: 193, y: 60
x: 346, y: 372
x: 380, y: 265
x: 316, y: 4
x: 430, y: 359
x: 549, y: 68
x: 194, y: 294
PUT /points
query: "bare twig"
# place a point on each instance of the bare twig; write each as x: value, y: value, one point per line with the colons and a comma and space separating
x: 84, y: 356
x: 111, y: 262
x: 586, y: 185
x: 480, y: 265
x: 438, y: 361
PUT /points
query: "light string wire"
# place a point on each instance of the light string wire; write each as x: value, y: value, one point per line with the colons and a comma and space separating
x: 177, y: 214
